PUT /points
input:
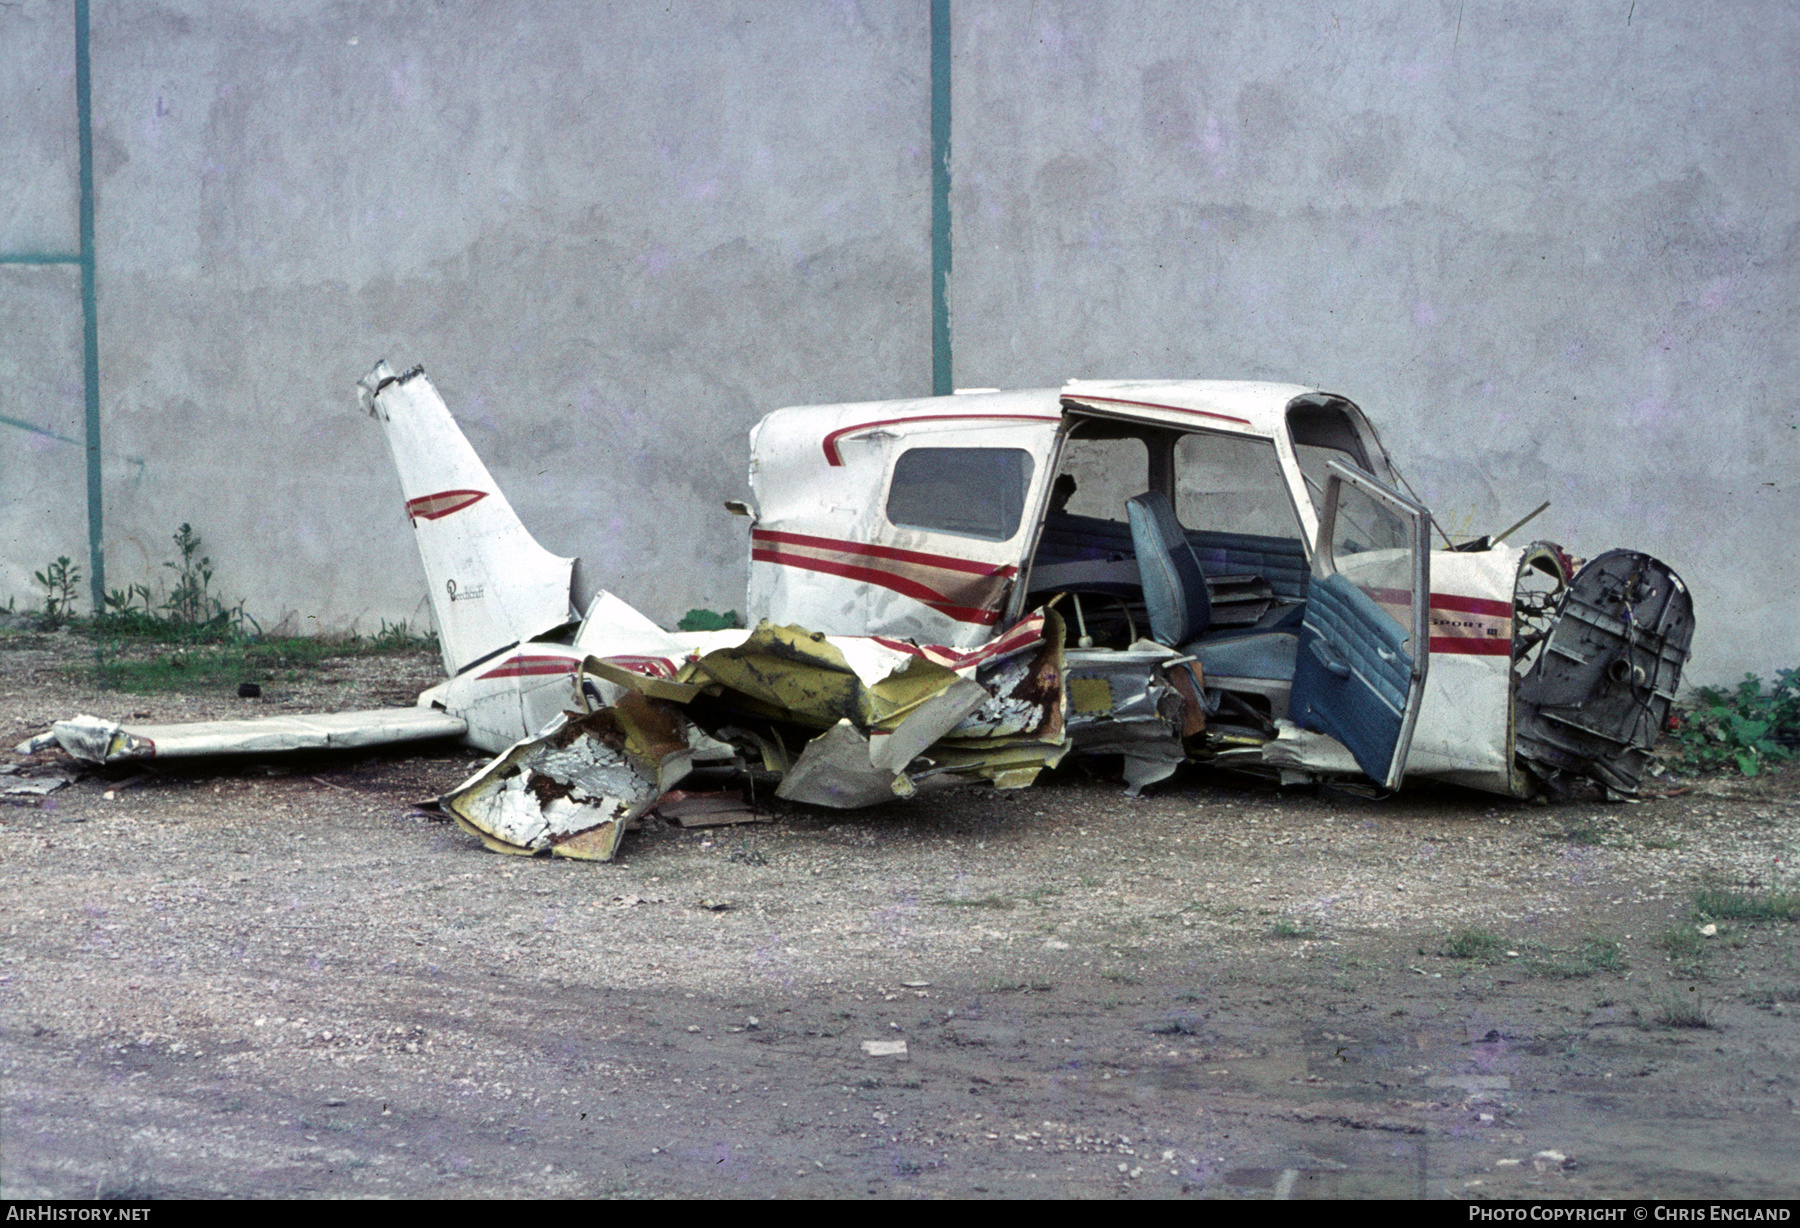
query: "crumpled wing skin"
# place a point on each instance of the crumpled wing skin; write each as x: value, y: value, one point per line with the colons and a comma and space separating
x: 889, y: 713
x: 573, y: 788
x: 93, y: 740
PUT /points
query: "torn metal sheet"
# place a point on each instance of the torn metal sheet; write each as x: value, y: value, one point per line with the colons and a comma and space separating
x: 94, y: 740
x: 715, y: 809
x: 33, y: 786
x: 834, y: 770
x: 572, y: 789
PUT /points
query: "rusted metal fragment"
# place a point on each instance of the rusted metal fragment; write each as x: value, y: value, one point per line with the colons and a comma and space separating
x: 707, y: 809
x: 572, y: 789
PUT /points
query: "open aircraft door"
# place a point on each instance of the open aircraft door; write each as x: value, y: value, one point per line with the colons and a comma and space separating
x: 1365, y: 642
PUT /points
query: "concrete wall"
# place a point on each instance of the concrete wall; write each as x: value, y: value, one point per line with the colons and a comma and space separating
x: 1551, y: 249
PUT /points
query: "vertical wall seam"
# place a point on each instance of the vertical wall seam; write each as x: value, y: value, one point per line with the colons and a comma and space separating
x: 90, y: 324
x: 942, y: 383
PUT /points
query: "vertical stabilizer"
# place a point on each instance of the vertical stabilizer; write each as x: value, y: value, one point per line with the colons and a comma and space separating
x: 491, y: 584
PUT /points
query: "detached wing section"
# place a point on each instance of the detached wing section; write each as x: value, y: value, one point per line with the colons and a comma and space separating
x: 491, y: 584
x: 94, y: 740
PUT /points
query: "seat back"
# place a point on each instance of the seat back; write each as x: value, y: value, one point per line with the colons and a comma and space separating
x: 1174, y: 585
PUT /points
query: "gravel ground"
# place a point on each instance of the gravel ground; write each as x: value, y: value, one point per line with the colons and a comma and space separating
x: 284, y: 979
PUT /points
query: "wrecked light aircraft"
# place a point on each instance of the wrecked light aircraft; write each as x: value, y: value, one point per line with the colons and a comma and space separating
x: 969, y: 588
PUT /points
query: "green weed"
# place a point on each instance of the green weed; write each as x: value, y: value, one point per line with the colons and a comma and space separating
x: 1595, y: 954
x: 708, y: 620
x: 982, y: 901
x: 1747, y: 728
x: 1682, y: 942
x: 1722, y: 904
x: 1473, y: 944
x: 1602, y: 954
x: 60, y: 580
x: 1285, y: 928
x: 1681, y: 1011
x: 1584, y: 832
x: 1768, y: 995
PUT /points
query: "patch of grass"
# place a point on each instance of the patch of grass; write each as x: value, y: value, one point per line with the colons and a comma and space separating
x: 153, y: 655
x: 980, y: 901
x: 1284, y: 927
x: 1120, y: 976
x: 1043, y: 895
x: 1769, y: 995
x: 1684, y: 944
x: 1473, y: 944
x: 1681, y: 941
x: 192, y: 639
x: 1584, y: 832
x: 1681, y: 1011
x: 1595, y: 953
x: 1723, y: 904
x: 1602, y: 954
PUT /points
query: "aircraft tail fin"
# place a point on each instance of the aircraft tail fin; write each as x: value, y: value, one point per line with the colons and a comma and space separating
x: 491, y: 584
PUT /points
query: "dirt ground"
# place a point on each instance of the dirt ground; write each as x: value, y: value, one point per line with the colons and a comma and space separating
x: 282, y: 979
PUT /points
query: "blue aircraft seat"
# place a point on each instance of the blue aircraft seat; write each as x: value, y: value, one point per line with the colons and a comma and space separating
x: 1174, y: 583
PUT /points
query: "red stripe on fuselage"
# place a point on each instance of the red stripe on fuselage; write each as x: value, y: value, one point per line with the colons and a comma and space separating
x: 1079, y: 397
x: 884, y: 579
x: 1469, y: 646
x: 834, y: 458
x: 532, y: 667
x: 948, y: 562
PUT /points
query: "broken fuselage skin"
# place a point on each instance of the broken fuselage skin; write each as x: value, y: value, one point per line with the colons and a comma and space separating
x: 946, y: 519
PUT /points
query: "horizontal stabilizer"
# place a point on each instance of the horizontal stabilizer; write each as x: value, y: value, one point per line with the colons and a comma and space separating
x: 94, y: 740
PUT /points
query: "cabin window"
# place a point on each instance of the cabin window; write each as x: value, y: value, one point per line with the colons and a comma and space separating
x: 1233, y: 484
x: 971, y: 492
x: 1321, y: 434
x: 1099, y: 474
